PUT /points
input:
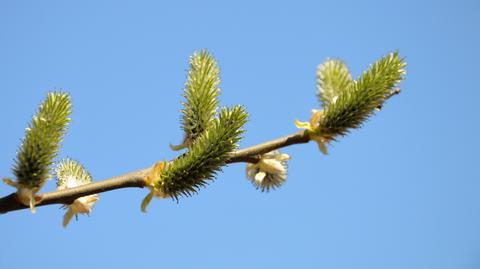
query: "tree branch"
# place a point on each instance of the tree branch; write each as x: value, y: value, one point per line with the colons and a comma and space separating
x: 136, y: 178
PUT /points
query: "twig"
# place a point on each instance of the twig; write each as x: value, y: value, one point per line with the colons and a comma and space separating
x: 135, y: 179
x: 389, y: 95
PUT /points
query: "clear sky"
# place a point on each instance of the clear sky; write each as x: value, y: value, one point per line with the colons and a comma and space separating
x: 402, y: 192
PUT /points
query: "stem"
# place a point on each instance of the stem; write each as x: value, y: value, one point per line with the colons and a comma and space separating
x: 136, y: 178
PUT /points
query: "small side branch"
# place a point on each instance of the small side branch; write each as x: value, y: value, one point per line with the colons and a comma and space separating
x: 135, y: 179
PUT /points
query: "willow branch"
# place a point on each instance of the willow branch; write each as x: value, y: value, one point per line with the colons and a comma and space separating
x: 135, y: 179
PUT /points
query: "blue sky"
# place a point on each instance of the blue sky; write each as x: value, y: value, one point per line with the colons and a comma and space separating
x: 402, y: 192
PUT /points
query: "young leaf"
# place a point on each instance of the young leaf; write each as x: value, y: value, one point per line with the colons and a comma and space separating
x: 355, y: 104
x: 270, y: 172
x: 72, y: 174
x: 200, y: 93
x: 192, y: 170
x: 42, y: 141
x: 39, y: 147
x: 333, y: 78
